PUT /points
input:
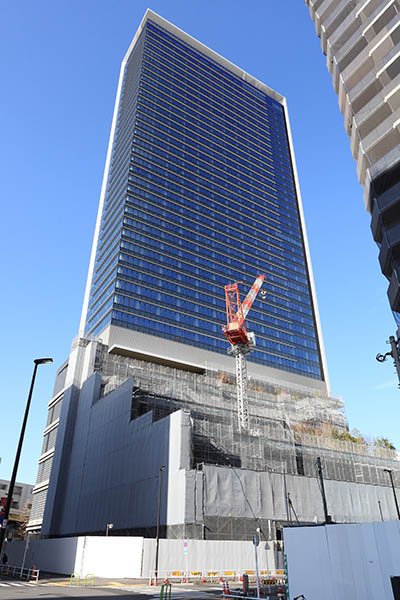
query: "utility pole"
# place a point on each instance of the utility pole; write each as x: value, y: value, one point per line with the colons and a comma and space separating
x: 328, y: 518
x: 394, y: 353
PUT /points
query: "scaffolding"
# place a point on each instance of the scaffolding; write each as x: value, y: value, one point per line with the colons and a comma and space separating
x: 288, y: 425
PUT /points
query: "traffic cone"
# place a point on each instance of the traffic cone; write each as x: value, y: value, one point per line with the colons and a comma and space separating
x: 280, y: 593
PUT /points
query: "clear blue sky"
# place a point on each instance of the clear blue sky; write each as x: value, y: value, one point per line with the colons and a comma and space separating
x: 60, y: 67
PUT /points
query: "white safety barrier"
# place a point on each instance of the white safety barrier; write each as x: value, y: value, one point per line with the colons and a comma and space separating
x: 19, y: 572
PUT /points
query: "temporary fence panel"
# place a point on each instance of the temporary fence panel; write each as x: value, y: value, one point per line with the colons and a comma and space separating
x: 350, y: 562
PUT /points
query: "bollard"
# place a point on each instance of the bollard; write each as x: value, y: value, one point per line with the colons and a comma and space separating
x: 90, y: 577
x: 245, y: 584
x: 74, y: 577
x: 165, y: 592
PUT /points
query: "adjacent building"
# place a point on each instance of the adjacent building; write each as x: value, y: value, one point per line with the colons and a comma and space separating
x: 361, y: 41
x: 20, y: 506
x: 199, y: 190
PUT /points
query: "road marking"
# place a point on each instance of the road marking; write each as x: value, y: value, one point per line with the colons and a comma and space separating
x: 22, y: 584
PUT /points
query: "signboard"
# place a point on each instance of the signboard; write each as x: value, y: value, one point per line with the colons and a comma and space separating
x: 256, y: 539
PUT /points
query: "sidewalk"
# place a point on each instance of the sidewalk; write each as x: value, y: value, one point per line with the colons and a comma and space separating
x: 143, y: 584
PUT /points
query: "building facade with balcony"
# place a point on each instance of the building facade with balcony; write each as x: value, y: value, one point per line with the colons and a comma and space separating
x: 361, y: 41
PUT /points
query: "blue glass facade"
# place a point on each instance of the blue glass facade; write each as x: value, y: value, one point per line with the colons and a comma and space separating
x: 201, y: 193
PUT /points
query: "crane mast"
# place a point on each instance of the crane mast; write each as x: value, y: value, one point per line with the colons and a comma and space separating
x: 242, y: 342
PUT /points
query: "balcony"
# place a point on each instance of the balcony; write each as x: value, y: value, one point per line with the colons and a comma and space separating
x: 394, y: 291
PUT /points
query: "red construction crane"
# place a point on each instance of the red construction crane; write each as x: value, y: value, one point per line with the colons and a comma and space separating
x: 242, y: 342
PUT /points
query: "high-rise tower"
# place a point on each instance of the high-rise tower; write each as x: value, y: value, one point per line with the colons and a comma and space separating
x: 200, y: 190
x: 361, y: 40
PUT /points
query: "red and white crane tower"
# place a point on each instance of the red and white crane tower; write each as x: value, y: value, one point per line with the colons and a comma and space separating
x: 242, y: 341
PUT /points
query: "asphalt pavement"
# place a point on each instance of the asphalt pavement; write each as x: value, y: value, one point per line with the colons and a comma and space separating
x: 54, y: 588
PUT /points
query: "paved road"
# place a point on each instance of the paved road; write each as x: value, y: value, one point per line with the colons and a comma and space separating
x: 11, y: 589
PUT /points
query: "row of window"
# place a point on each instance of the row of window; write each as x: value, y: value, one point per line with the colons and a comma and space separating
x: 209, y: 173
x: 161, y: 299
x: 194, y: 79
x: 195, y: 129
x: 191, y: 325
x: 159, y: 67
x: 150, y: 326
x: 236, y: 241
x: 196, y: 323
x: 257, y: 260
x: 197, y: 221
x: 240, y: 132
x: 147, y: 128
x: 206, y: 255
x: 197, y: 64
x: 151, y: 273
x: 193, y: 242
x: 179, y: 275
x: 158, y: 287
x: 227, y: 267
x: 233, y: 174
x: 189, y: 108
x: 204, y: 185
x: 95, y: 315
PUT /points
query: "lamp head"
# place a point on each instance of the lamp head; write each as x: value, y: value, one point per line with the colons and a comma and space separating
x: 42, y: 361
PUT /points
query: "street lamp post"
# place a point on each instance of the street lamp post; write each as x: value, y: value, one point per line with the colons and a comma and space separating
x: 394, y: 491
x: 158, y: 521
x: 109, y: 526
x: 37, y: 361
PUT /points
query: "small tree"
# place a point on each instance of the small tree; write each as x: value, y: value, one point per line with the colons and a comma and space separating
x: 383, y: 442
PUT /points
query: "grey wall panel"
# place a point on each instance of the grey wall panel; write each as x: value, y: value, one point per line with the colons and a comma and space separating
x: 240, y: 493
x: 111, y: 466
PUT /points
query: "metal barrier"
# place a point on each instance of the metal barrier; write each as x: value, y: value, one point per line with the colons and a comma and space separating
x: 19, y: 572
x: 267, y: 576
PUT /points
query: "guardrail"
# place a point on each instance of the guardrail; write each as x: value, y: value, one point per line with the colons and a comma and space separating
x: 267, y: 576
x: 19, y: 572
